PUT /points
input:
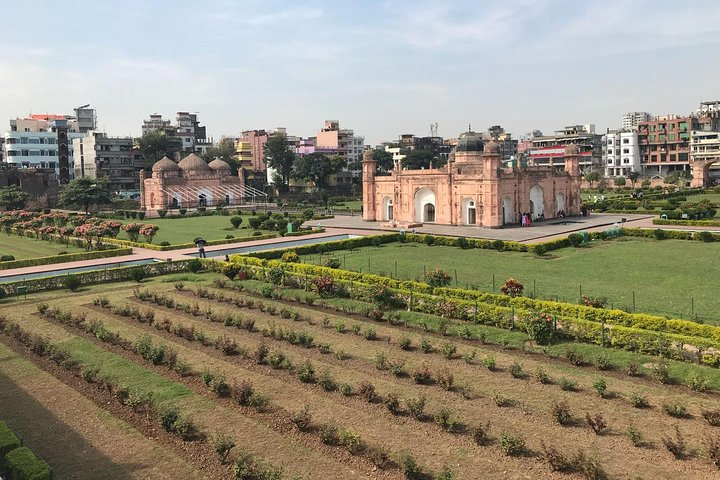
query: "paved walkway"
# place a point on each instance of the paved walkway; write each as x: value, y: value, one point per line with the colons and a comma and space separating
x: 538, y: 232
x: 140, y: 254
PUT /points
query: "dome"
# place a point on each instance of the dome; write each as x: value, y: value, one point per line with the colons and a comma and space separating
x: 193, y: 163
x: 165, y: 165
x: 492, y: 147
x: 469, y: 142
x: 218, y: 164
x: 572, y: 149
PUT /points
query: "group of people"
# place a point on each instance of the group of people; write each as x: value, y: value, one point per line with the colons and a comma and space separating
x: 561, y: 214
x: 526, y: 219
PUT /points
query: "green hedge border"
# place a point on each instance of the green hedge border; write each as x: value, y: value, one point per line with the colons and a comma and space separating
x: 22, y: 464
x: 71, y: 257
x: 698, y: 223
x: 8, y: 442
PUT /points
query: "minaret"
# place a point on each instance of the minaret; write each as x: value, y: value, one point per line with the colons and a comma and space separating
x: 369, y: 168
x: 142, y: 189
x: 572, y: 167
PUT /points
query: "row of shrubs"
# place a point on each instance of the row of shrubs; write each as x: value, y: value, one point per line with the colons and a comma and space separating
x: 411, y: 295
x: 698, y: 223
x: 18, y: 462
x: 69, y: 257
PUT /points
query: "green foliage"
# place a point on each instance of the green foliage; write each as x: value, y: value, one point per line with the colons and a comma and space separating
x: 512, y: 445
x: 600, y: 386
x: 13, y: 197
x: 317, y: 168
x: 22, y: 464
x: 73, y: 282
x: 635, y: 436
x: 84, y: 192
x: 223, y: 444
x: 236, y: 222
x: 278, y: 155
x: 158, y: 144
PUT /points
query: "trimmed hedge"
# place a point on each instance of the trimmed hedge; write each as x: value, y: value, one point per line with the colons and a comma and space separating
x: 118, y: 274
x: 22, y: 464
x: 637, y: 332
x: 669, y: 234
x: 71, y: 257
x: 328, y: 246
x: 8, y: 442
x: 698, y: 223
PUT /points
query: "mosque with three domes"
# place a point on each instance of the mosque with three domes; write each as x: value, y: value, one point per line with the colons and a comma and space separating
x: 190, y: 183
x: 473, y: 189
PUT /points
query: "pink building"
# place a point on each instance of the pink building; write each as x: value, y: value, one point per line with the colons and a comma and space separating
x: 257, y: 140
x: 472, y: 189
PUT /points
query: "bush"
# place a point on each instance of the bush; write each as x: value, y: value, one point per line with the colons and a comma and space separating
x: 137, y: 274
x: 8, y: 442
x: 541, y: 376
x: 242, y: 392
x: 567, y: 384
x: 302, y: 419
x: 481, y: 434
x: 236, y: 222
x: 194, y: 265
x: 677, y: 410
x: 597, y: 423
x: 437, y: 278
x: 22, y: 464
x: 448, y: 350
x: 512, y: 288
x: 675, y: 445
x: 330, y: 434
x: 712, y: 417
x: 258, y: 401
x: 426, y: 346
x: 575, y: 239
x: 409, y: 466
x: 712, y: 445
x: 290, y: 257
x: 162, y: 212
x: 306, y: 373
x: 600, y: 386
x: 405, y: 343
x: 72, y: 282
x: 7, y: 258
x: 222, y: 444
x: 444, y: 378
x: 561, y: 413
x: 697, y: 383
x: 635, y: 436
x: 512, y: 445
x: 516, y: 370
x: 326, y: 382
x: 416, y: 407
x: 489, y: 362
x: 367, y: 391
x: 659, y: 371
x: 638, y: 400
x: 422, y: 375
x: 447, y: 420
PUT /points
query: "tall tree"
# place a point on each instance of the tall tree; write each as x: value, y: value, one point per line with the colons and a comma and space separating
x: 592, y: 177
x: 279, y: 157
x: 157, y: 144
x: 225, y: 151
x: 383, y: 160
x: 420, y: 158
x: 316, y: 168
x: 85, y: 192
x: 13, y: 198
x: 633, y: 176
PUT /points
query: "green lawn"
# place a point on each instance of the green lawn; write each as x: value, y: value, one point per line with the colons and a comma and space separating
x: 185, y: 230
x: 669, y: 277
x: 22, y: 247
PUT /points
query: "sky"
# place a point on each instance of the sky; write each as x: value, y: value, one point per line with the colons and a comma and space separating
x: 382, y: 68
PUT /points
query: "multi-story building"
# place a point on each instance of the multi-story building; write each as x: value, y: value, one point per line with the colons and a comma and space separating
x: 155, y: 123
x: 348, y: 146
x: 665, y: 143
x: 45, y: 141
x: 251, y: 148
x: 437, y: 145
x: 113, y: 158
x: 632, y: 119
x: 621, y: 153
x: 187, y: 130
x: 508, y: 145
x: 549, y: 150
x: 705, y: 146
x: 709, y: 108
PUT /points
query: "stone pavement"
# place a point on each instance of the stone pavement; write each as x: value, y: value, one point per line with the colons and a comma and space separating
x: 538, y: 232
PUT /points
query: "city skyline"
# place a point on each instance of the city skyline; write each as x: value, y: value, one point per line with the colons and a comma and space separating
x: 380, y: 68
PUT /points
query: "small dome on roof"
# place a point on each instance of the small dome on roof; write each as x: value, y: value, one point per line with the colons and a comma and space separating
x: 218, y: 164
x: 164, y: 165
x: 193, y: 163
x: 469, y: 142
x: 572, y: 149
x: 492, y: 147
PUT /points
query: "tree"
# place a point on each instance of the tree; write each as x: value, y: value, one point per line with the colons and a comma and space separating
x: 592, y: 177
x: 316, y: 168
x: 13, y: 198
x: 384, y: 161
x: 417, y: 159
x: 85, y: 192
x: 278, y: 156
x: 633, y: 176
x: 225, y: 151
x: 620, y: 181
x: 158, y: 144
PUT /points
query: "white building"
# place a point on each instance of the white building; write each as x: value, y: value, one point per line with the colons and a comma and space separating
x: 632, y: 119
x: 621, y: 153
x: 705, y: 145
x: 707, y: 108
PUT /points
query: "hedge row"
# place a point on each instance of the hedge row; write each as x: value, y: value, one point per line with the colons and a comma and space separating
x: 669, y: 234
x: 420, y: 300
x: 18, y: 462
x: 71, y: 257
x: 349, y: 243
x: 118, y: 274
x: 698, y: 223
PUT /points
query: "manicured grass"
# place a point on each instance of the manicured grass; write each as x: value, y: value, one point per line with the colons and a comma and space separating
x: 23, y: 247
x: 126, y: 373
x: 669, y: 277
x: 185, y: 230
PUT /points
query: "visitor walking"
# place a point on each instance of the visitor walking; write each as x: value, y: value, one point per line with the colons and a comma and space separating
x: 200, y: 244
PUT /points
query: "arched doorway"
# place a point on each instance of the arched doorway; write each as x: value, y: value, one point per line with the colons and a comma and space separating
x: 559, y: 202
x: 469, y: 211
x: 387, y: 208
x: 424, y: 203
x: 508, y: 213
x: 175, y: 203
x: 429, y: 213
x: 537, y: 202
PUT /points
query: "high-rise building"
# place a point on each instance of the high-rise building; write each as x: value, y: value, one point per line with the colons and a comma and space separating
x: 632, y: 119
x: 187, y: 130
x: 621, y: 153
x: 113, y: 158
x: 251, y: 147
x: 155, y: 123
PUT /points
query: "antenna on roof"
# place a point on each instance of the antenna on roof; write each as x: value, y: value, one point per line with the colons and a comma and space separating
x: 469, y: 128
